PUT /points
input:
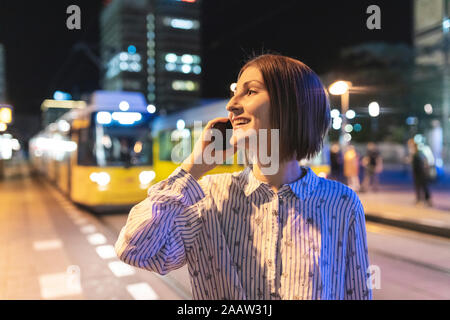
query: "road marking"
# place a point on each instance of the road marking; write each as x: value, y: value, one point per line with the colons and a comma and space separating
x: 142, y: 291
x: 96, y: 239
x: 106, y: 251
x: 90, y: 228
x: 47, y: 244
x: 57, y: 285
x: 121, y: 269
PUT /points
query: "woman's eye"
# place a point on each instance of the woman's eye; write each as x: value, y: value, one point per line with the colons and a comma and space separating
x: 249, y: 92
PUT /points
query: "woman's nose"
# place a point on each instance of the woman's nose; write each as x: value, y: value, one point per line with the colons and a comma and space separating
x: 233, y: 107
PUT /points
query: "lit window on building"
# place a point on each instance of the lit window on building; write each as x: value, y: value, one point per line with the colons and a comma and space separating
x: 186, y: 68
x: 171, y: 57
x: 197, y: 69
x: 186, y: 63
x: 185, y: 85
x: 171, y: 66
x: 185, y: 24
x: 123, y: 61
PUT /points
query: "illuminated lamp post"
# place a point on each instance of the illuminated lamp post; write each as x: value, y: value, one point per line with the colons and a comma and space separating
x: 374, y: 112
x: 342, y: 88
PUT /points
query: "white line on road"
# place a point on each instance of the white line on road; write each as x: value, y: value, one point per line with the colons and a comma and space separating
x: 121, y: 269
x: 57, y: 285
x: 142, y: 291
x: 96, y: 239
x: 90, y: 228
x: 106, y: 251
x: 47, y: 244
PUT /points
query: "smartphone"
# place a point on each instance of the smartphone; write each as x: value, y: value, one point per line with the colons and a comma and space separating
x: 223, y: 127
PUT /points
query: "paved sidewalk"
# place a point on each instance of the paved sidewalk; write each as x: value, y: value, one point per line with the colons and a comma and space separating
x: 398, y: 208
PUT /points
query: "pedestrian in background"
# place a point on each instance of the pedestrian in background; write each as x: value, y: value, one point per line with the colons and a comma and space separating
x: 351, y: 168
x: 336, y: 163
x: 373, y: 166
x: 420, y: 172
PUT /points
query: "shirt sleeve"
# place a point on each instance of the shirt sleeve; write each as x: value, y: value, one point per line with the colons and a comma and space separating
x: 161, y: 228
x: 357, y: 259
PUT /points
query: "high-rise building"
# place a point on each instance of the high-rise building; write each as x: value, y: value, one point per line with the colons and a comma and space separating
x: 2, y: 75
x: 123, y: 45
x: 153, y: 46
x: 432, y: 43
x: 175, y: 49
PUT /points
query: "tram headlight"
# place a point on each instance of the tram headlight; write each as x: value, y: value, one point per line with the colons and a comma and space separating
x: 145, y: 177
x: 101, y: 178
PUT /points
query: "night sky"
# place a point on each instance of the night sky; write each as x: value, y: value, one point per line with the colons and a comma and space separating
x: 41, y: 57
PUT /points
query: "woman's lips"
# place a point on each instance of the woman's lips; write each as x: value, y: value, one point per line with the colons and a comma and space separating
x: 240, y: 122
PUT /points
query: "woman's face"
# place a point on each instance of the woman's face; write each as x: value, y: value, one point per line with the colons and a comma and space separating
x: 249, y: 108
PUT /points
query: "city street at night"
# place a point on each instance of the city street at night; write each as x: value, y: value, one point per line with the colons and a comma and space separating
x: 205, y: 153
x: 56, y: 250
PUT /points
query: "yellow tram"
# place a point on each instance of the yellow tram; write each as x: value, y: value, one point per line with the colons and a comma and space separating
x: 99, y: 155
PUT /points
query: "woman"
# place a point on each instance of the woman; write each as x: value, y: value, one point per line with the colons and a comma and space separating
x: 251, y: 235
x: 351, y: 167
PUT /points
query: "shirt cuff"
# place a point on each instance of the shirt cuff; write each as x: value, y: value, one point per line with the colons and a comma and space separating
x: 186, y: 185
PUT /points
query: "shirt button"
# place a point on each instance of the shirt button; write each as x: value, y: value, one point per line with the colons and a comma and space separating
x: 275, y: 212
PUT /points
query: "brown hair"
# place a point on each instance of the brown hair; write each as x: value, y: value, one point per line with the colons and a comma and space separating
x: 299, y: 104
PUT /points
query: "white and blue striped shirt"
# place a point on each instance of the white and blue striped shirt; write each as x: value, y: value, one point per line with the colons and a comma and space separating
x: 241, y: 240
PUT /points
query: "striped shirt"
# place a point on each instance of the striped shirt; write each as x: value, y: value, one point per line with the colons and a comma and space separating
x: 241, y: 240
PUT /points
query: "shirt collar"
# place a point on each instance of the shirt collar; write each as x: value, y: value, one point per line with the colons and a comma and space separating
x: 302, y: 187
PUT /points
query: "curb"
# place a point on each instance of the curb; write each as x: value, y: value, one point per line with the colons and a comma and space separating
x: 410, y: 225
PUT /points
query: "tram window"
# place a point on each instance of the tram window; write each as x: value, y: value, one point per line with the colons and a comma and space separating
x: 123, y: 146
x: 175, y: 143
x: 165, y: 146
x: 86, y: 148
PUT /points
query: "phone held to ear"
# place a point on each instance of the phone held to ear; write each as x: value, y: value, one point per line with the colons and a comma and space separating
x: 223, y: 127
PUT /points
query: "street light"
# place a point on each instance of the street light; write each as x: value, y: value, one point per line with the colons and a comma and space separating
x: 374, y: 109
x: 374, y: 112
x: 342, y: 88
x: 339, y: 87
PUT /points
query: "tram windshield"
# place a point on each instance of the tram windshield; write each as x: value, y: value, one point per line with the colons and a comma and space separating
x: 117, y: 145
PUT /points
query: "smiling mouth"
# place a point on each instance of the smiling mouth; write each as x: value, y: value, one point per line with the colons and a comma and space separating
x: 240, y: 122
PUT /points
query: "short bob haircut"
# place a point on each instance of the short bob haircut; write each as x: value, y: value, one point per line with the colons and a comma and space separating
x: 299, y: 104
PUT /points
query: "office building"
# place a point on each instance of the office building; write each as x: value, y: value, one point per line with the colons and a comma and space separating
x: 123, y: 44
x: 153, y: 46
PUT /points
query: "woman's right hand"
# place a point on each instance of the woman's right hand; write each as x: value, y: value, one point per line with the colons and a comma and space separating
x: 195, y: 164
